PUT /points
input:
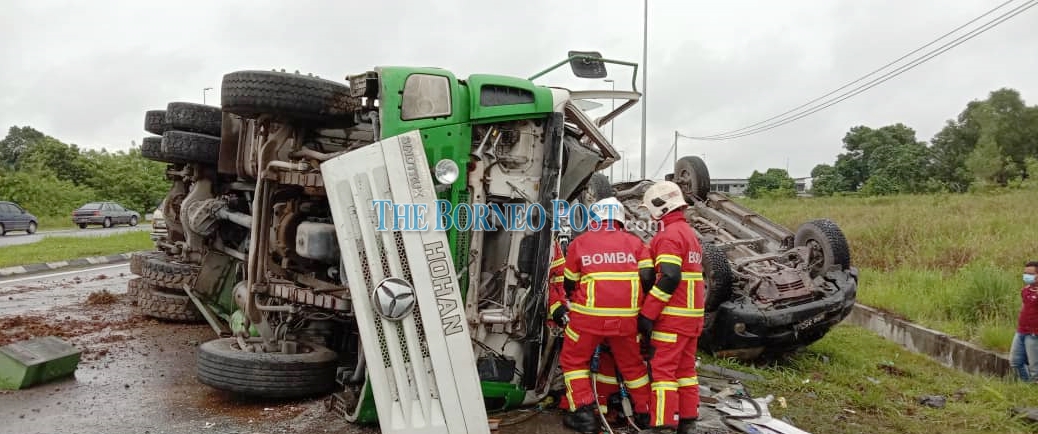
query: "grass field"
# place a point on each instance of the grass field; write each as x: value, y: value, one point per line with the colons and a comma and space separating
x: 853, y: 381
x: 56, y: 248
x: 951, y: 262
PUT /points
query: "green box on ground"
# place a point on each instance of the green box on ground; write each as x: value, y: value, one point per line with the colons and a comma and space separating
x: 35, y: 361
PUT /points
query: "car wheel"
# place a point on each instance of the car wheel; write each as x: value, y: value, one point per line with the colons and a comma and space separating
x: 82, y: 225
x: 717, y: 273
x: 827, y: 246
x: 107, y: 223
x: 3, y: 230
x: 133, y: 220
x: 223, y: 365
x: 691, y: 174
x: 31, y: 229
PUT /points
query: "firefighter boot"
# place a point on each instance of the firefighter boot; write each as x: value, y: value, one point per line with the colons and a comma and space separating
x: 642, y: 420
x: 687, y: 426
x: 583, y: 420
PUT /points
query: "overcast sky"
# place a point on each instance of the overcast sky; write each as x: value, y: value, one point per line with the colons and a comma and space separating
x: 85, y: 72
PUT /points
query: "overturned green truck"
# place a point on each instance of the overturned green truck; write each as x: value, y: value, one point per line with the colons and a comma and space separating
x: 273, y: 238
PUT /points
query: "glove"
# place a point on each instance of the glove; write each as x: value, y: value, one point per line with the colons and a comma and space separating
x: 559, y: 316
x: 644, y: 326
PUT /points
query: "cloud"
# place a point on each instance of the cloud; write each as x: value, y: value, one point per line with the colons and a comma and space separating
x: 86, y: 72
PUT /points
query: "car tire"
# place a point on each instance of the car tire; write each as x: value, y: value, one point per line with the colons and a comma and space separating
x: 691, y: 174
x: 3, y: 230
x: 155, y: 121
x: 158, y: 303
x: 717, y: 275
x: 107, y: 223
x: 293, y: 96
x: 828, y: 245
x: 134, y: 287
x: 185, y: 147
x: 133, y: 221
x: 82, y: 225
x: 221, y: 365
x: 194, y: 118
x: 31, y: 229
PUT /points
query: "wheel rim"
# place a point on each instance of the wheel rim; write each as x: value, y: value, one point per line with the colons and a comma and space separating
x: 32, y: 227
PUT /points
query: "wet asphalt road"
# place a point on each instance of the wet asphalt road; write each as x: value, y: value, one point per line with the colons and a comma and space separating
x: 136, y: 374
x: 20, y: 237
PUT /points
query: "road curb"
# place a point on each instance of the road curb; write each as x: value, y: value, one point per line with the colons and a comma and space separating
x: 48, y: 266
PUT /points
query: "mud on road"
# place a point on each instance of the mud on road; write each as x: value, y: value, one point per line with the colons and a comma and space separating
x: 137, y: 375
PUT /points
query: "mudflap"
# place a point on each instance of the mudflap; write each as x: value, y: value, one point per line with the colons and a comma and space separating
x: 421, y: 367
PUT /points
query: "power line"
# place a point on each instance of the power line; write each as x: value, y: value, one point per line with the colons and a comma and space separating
x: 733, y: 134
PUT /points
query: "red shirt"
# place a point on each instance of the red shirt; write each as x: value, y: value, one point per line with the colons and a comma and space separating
x: 605, y: 263
x: 1028, y: 322
x: 682, y: 311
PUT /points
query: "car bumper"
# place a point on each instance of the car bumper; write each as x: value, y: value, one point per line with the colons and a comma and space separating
x: 88, y: 220
x: 744, y: 327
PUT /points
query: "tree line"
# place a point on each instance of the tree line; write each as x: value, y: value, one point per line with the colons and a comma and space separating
x: 51, y: 178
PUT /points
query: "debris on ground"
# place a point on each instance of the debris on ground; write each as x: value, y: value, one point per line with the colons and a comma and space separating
x: 1029, y: 414
x: 889, y: 368
x: 934, y: 401
x: 101, y: 297
x: 728, y: 372
x: 36, y: 361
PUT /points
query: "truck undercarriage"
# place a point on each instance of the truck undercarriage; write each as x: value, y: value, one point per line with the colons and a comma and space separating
x: 285, y: 233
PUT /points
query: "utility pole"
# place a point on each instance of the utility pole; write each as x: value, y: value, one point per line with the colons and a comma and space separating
x: 203, y: 93
x: 612, y: 125
x: 645, y: 73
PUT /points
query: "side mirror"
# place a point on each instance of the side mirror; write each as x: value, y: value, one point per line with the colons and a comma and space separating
x: 588, y: 64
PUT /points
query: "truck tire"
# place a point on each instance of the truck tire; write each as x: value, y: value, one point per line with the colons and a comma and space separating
x: 160, y: 304
x: 137, y: 260
x: 167, y: 274
x: 185, y: 147
x: 134, y: 287
x: 151, y: 148
x: 691, y: 174
x: 828, y: 245
x: 155, y: 121
x: 222, y: 365
x: 299, y: 97
x: 717, y: 273
x: 194, y: 118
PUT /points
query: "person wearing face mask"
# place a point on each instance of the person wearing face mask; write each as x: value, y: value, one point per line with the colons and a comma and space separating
x: 1023, y: 354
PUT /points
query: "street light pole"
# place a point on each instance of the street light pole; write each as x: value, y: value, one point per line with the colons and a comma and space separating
x: 612, y: 124
x: 203, y: 93
x: 645, y: 73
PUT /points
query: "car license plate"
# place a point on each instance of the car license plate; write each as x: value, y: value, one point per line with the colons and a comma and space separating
x: 809, y: 322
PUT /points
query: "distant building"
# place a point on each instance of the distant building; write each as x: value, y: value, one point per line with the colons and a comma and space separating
x: 737, y: 187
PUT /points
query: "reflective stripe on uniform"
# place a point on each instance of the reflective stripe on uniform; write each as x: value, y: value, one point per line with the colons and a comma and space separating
x: 606, y: 379
x: 551, y: 309
x: 688, y: 381
x: 645, y: 263
x: 688, y: 310
x: 637, y: 382
x: 558, y: 262
x: 603, y: 311
x: 682, y: 311
x: 572, y: 334
x: 658, y: 293
x: 669, y: 259
x: 558, y: 279
x: 661, y: 388
x: 570, y: 376
x: 664, y: 336
x: 571, y: 275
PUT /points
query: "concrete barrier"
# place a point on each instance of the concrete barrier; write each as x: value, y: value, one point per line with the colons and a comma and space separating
x: 945, y: 349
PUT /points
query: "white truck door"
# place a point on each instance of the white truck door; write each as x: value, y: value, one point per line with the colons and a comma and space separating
x: 405, y: 292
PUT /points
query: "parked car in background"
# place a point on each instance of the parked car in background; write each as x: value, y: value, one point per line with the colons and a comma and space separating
x: 106, y: 214
x: 158, y: 223
x: 15, y: 218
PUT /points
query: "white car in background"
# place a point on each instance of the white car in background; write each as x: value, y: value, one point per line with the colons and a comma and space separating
x: 158, y: 223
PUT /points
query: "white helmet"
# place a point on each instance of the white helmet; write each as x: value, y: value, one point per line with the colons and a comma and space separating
x: 609, y: 209
x: 662, y: 198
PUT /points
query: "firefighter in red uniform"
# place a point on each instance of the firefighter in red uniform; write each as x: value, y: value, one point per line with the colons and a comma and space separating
x: 603, y: 284
x: 673, y: 312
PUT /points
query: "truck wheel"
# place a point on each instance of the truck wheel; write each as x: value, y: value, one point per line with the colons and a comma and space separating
x: 691, y: 174
x: 194, y: 118
x: 184, y: 147
x: 250, y: 93
x: 134, y: 287
x: 137, y: 260
x: 827, y: 244
x: 155, y: 121
x: 157, y: 303
x: 717, y: 273
x: 223, y: 365
x: 167, y: 274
